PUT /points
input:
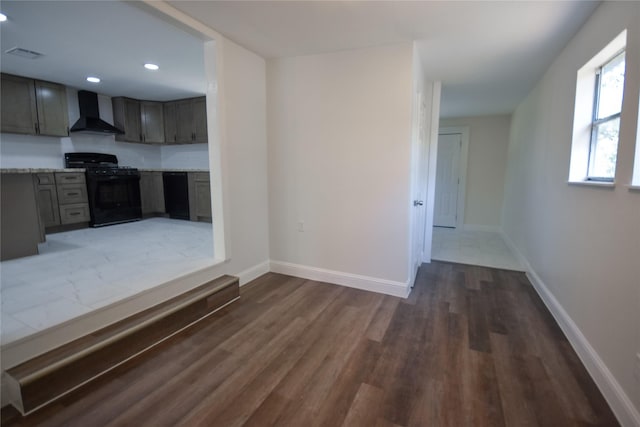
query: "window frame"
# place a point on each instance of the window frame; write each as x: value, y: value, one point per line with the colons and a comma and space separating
x: 597, y: 122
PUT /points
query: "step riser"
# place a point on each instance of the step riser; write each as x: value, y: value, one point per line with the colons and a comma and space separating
x: 47, y: 385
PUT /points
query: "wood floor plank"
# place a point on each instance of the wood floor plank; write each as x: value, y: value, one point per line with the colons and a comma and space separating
x: 471, y: 346
x: 364, y: 409
x: 380, y: 323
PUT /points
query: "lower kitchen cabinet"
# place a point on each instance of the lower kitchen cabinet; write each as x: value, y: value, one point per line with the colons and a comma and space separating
x: 152, y: 193
x: 72, y: 197
x: 20, y: 224
x: 74, y: 213
x: 48, y: 205
x: 199, y: 197
x: 62, y: 198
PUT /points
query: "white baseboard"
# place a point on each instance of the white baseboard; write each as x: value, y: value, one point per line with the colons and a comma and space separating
x: 252, y: 273
x: 366, y: 283
x: 619, y: 401
x: 480, y: 227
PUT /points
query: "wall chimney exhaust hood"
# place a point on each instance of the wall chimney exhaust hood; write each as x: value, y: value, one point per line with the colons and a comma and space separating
x: 90, y: 121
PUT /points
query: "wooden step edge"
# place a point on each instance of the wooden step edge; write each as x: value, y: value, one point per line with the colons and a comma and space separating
x: 15, y: 385
x: 115, y: 365
x: 143, y: 317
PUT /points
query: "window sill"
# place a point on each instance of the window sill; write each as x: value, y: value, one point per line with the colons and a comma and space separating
x: 634, y: 188
x: 599, y: 184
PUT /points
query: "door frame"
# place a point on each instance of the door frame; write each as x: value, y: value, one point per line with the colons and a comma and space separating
x: 463, y: 131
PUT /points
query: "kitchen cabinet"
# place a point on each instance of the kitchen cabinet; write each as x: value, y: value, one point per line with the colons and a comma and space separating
x: 47, y: 196
x: 62, y: 198
x: 142, y: 121
x: 51, y: 101
x: 33, y: 107
x: 183, y: 121
x: 19, y: 220
x: 189, y: 121
x: 199, y: 197
x: 200, y: 120
x: 73, y: 203
x: 126, y: 116
x: 152, y: 193
x: 152, y: 118
x: 170, y: 125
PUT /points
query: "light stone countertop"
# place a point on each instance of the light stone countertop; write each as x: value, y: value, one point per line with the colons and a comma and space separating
x: 171, y: 170
x: 40, y: 170
x: 52, y: 170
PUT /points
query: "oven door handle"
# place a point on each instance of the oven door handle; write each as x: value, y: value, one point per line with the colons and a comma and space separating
x: 113, y: 178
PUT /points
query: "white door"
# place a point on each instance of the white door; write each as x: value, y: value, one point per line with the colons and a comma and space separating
x: 420, y: 175
x: 447, y: 180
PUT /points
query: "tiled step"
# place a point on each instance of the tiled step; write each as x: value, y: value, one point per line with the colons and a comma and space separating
x: 51, y: 375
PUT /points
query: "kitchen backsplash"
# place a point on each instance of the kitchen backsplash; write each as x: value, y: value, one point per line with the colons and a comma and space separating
x: 21, y: 151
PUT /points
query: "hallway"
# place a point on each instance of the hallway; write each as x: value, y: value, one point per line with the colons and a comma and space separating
x: 484, y: 248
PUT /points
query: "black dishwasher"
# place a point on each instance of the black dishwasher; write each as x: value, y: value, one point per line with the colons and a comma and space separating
x: 176, y: 194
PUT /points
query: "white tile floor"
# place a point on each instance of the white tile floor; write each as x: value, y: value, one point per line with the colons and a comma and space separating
x: 82, y: 270
x: 484, y: 248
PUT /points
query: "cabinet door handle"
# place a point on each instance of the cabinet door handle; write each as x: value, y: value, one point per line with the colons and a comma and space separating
x: 67, y: 130
x: 35, y: 126
x: 74, y: 213
x: 73, y: 194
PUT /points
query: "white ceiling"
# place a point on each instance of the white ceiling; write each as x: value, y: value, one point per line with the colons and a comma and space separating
x: 488, y: 54
x: 108, y: 39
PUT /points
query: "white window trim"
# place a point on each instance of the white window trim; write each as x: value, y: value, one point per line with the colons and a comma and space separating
x: 635, y: 178
x: 583, y: 112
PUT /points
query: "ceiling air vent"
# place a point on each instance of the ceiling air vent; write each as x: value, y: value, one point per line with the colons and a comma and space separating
x: 24, y: 53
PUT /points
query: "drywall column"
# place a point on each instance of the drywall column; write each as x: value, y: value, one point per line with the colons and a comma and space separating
x: 339, y: 129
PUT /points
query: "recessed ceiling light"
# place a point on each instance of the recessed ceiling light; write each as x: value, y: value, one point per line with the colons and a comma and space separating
x: 151, y: 67
x: 3, y: 17
x: 93, y: 79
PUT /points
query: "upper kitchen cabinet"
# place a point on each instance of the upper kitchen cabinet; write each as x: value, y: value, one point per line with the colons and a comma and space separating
x: 186, y: 121
x: 142, y: 121
x: 200, y: 120
x: 170, y: 125
x: 51, y: 100
x: 33, y: 107
x: 126, y: 116
x: 152, y: 118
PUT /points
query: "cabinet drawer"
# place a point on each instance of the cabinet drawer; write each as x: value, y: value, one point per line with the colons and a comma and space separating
x: 69, y: 177
x: 201, y: 176
x: 72, y: 193
x: 70, y: 214
x: 45, y: 178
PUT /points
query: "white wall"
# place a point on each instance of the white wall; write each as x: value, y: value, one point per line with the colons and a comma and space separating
x: 244, y: 160
x: 184, y: 156
x: 486, y: 167
x: 339, y: 129
x: 582, y: 243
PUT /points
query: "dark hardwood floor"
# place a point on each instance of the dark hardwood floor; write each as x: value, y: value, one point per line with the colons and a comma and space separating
x: 471, y: 346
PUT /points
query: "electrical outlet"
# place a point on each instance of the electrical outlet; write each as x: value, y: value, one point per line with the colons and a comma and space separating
x: 301, y: 226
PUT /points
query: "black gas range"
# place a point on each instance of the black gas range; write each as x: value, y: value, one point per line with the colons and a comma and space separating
x: 113, y: 191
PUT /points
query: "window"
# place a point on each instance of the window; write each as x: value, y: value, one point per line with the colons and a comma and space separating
x: 596, y: 119
x: 605, y: 125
